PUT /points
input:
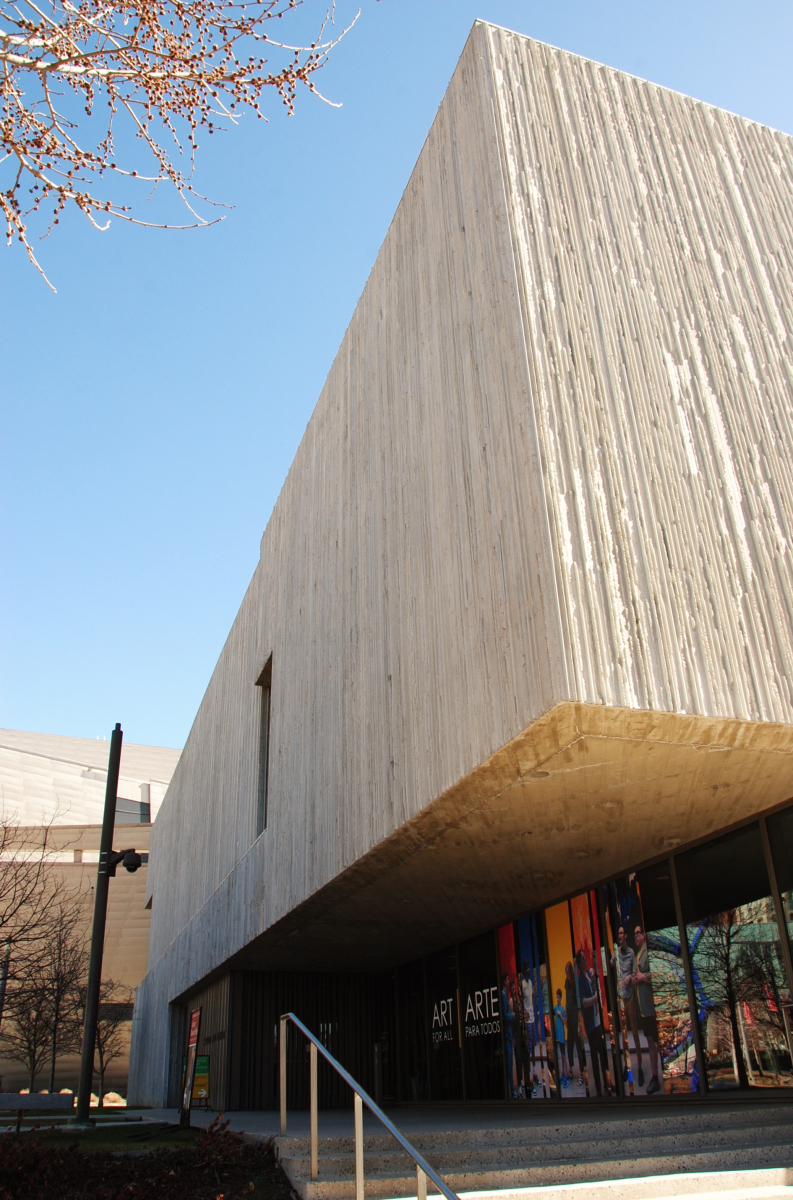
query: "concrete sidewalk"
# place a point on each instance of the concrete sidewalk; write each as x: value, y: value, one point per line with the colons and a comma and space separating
x: 437, y: 1118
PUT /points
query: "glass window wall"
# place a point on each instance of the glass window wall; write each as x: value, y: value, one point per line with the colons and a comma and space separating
x: 736, y: 961
x: 638, y: 1033
x: 589, y: 997
x: 662, y: 992
x: 780, y: 837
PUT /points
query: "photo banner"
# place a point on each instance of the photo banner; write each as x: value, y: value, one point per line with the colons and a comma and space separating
x: 192, y: 1051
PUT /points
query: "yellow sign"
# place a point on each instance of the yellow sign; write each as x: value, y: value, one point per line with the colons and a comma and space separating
x: 201, y: 1077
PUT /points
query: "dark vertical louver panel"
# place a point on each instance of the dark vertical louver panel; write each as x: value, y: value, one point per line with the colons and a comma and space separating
x: 349, y: 1013
x: 178, y: 1043
x: 236, y: 1009
x: 413, y: 1084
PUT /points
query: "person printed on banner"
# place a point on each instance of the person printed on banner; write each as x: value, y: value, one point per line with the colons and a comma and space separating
x: 560, y: 1016
x: 574, y: 1040
x: 529, y: 1030
x: 508, y: 1011
x: 518, y: 1046
x: 624, y: 960
x: 545, y: 1028
x: 642, y: 978
x: 521, y: 1056
x: 587, y: 992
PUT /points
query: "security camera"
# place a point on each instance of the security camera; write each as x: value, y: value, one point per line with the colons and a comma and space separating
x: 130, y: 860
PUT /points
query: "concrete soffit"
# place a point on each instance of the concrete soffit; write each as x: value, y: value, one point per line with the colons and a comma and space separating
x: 585, y: 792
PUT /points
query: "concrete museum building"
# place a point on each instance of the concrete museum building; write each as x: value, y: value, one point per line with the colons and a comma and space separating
x: 495, y: 771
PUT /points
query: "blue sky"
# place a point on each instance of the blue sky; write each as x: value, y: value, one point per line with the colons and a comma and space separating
x: 151, y: 409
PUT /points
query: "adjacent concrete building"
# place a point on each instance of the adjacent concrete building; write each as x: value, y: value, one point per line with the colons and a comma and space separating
x: 57, y: 784
x: 521, y: 631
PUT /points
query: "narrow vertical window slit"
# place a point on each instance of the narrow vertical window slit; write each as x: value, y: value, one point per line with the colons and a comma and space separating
x: 263, y: 687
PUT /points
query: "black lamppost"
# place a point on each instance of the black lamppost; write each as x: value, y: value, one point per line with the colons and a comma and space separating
x: 109, y: 859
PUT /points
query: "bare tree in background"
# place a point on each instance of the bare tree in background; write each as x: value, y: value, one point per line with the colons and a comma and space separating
x: 25, y: 1036
x: 27, y: 894
x: 169, y: 67
x: 44, y: 990
x: 736, y: 969
x: 37, y: 920
x: 61, y: 967
x: 115, y: 1012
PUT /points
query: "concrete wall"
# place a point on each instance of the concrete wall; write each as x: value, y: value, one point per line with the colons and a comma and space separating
x: 394, y: 575
x: 653, y: 239
x: 548, y: 465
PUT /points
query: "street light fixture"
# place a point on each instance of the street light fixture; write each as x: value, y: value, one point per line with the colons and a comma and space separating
x: 109, y: 859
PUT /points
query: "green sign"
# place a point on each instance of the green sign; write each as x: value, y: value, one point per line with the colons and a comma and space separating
x: 201, y: 1079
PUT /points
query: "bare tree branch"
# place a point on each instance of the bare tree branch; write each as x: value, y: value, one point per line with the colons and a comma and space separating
x: 171, y: 67
x: 28, y: 897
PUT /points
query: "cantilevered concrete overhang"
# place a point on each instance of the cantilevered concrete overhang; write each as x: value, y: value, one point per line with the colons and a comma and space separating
x: 584, y: 793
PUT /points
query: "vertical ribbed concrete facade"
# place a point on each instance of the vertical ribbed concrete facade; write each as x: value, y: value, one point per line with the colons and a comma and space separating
x: 545, y: 495
x: 653, y: 239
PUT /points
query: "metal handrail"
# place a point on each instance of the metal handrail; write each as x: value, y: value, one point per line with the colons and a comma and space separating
x: 423, y: 1169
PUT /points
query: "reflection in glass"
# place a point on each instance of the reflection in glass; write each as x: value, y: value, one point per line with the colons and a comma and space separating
x: 780, y: 837
x: 641, y: 1071
x: 674, y: 1036
x: 736, y: 961
x: 742, y: 997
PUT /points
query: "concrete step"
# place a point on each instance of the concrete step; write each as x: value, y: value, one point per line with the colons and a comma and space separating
x: 501, y: 1157
x: 554, y: 1174
x: 621, y: 1126
x: 550, y: 1154
x: 767, y: 1184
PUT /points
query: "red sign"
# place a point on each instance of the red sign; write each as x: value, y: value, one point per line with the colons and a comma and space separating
x: 189, y: 1075
x: 195, y: 1018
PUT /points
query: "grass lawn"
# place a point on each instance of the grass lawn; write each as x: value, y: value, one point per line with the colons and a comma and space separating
x: 134, y: 1136
x: 138, y: 1162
